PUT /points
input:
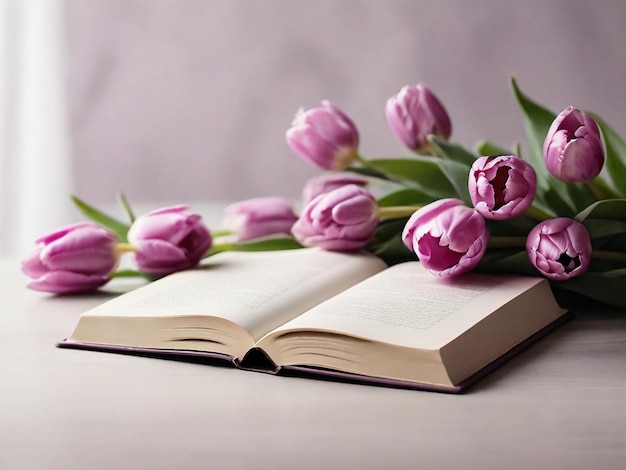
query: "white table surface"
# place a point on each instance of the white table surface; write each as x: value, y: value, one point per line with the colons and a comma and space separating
x: 560, y: 404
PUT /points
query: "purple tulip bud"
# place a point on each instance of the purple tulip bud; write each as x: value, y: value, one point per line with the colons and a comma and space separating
x: 502, y: 187
x: 259, y: 217
x: 76, y: 258
x: 342, y: 219
x: 325, y: 137
x: 414, y: 114
x: 448, y: 237
x: 168, y: 240
x: 573, y: 149
x: 559, y: 248
x: 327, y: 182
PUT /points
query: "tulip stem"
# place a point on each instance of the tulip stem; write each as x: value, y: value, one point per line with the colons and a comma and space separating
x: 124, y: 248
x: 507, y: 242
x: 609, y: 255
x: 396, y: 212
x: 221, y: 233
x: 218, y: 248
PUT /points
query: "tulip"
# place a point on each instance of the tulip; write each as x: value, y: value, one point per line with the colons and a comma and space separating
x: 259, y: 217
x: 168, y: 240
x: 414, y: 114
x: 327, y: 182
x: 76, y: 258
x: 573, y: 149
x: 559, y: 248
x: 325, y: 137
x: 448, y: 238
x: 502, y: 187
x: 342, y: 219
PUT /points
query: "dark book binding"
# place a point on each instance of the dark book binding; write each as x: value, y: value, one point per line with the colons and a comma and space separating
x: 257, y: 361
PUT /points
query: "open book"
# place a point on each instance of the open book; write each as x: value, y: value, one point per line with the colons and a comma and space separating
x: 343, y: 315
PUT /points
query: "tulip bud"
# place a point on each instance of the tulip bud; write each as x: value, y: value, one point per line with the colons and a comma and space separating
x: 573, y: 149
x: 76, y: 258
x: 342, y: 219
x: 168, y: 240
x: 414, y: 114
x: 502, y: 187
x: 325, y: 137
x: 259, y: 217
x: 448, y: 238
x: 327, y: 182
x: 559, y: 248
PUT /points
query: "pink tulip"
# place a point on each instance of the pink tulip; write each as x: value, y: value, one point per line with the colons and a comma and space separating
x: 414, y: 114
x: 573, y: 149
x: 447, y: 237
x: 342, y: 219
x: 559, y: 248
x: 76, y: 258
x: 327, y: 182
x: 168, y: 240
x: 502, y: 187
x: 325, y: 137
x: 259, y: 217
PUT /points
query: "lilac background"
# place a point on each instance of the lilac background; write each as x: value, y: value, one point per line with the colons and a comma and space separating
x: 179, y: 101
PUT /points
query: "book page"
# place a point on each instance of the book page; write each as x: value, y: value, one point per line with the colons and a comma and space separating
x: 257, y: 291
x: 408, y: 306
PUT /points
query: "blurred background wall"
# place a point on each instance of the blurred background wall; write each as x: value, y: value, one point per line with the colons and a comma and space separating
x: 172, y: 101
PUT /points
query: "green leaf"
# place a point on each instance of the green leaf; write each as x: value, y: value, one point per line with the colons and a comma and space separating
x: 123, y: 202
x: 369, y: 172
x: 457, y: 174
x: 486, y: 148
x: 422, y: 173
x: 514, y: 261
x: 611, y: 209
x: 387, y: 243
x: 260, y: 244
x: 450, y: 151
x: 581, y: 195
x: 599, y: 228
x: 551, y: 202
x: 119, y: 228
x: 537, y: 121
x: 615, y: 155
x: 404, y: 197
x: 606, y: 287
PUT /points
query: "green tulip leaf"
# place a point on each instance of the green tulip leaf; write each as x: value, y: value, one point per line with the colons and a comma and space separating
x: 387, y: 243
x: 537, y: 121
x: 600, y: 228
x: 606, y: 287
x: 450, y: 151
x: 124, y: 204
x: 457, y: 174
x: 581, y: 195
x: 487, y: 148
x: 404, y: 197
x: 511, y: 260
x: 118, y: 228
x: 611, y: 209
x: 615, y: 155
x: 422, y: 173
x: 260, y: 244
x: 369, y: 172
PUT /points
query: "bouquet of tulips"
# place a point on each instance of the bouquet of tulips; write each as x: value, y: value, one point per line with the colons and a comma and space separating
x: 555, y: 208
